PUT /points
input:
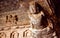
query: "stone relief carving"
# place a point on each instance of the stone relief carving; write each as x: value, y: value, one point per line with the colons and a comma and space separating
x: 2, y: 35
x: 11, y: 19
x: 14, y: 35
x: 38, y: 20
x: 37, y: 17
x: 27, y: 33
x: 34, y: 15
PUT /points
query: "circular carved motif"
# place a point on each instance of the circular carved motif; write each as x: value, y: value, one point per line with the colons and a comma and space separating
x: 2, y: 35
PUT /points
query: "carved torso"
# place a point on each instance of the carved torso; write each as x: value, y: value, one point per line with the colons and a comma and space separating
x: 43, y: 33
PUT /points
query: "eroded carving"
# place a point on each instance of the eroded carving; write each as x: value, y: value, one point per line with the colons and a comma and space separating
x: 41, y: 24
x: 2, y: 35
x: 27, y: 33
x: 35, y: 16
x: 11, y: 19
x: 16, y: 19
x: 14, y: 35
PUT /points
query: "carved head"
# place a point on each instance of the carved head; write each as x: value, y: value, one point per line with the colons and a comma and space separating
x: 35, y: 8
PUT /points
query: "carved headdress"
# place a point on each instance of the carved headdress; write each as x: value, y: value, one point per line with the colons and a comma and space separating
x: 48, y: 10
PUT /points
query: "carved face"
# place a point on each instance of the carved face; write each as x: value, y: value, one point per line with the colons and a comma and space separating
x: 34, y: 7
x: 37, y: 16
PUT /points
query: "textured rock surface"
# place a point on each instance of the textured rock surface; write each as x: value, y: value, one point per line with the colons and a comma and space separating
x: 13, y: 7
x: 8, y: 5
x: 13, y: 28
x: 13, y: 19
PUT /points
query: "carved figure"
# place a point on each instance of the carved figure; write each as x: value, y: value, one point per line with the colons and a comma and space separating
x: 41, y: 25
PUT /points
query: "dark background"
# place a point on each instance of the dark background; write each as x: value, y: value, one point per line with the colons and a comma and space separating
x: 57, y: 12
